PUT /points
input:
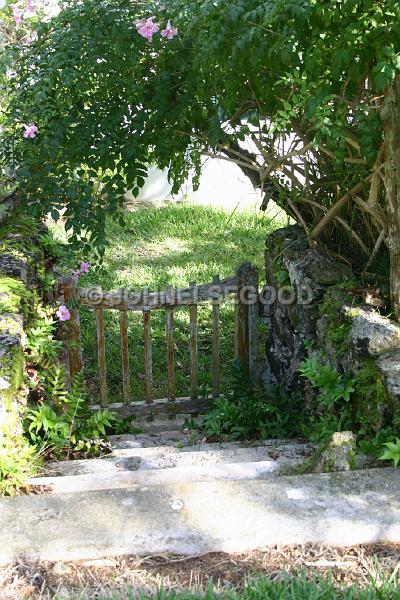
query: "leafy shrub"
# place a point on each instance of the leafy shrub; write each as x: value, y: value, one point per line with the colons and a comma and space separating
x: 18, y: 461
x: 332, y: 386
x: 60, y: 421
x: 252, y: 412
x: 71, y: 426
x: 392, y: 452
x: 330, y: 411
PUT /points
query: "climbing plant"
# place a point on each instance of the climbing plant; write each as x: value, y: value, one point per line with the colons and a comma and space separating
x: 291, y: 91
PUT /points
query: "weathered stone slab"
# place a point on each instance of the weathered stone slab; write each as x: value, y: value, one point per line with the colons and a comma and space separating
x: 341, y: 509
x: 389, y: 365
x: 242, y: 471
x: 145, y: 459
x: 371, y: 334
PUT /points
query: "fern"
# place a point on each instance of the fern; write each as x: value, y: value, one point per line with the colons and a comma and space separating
x: 40, y: 342
x: 62, y: 421
x: 54, y: 380
x: 252, y: 412
x: 332, y: 386
x: 77, y: 397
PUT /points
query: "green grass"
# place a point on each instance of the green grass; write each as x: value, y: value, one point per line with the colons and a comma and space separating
x: 175, y: 244
x: 288, y: 588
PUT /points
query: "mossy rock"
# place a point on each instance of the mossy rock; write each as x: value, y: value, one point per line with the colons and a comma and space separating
x: 335, y: 455
x: 21, y: 254
x: 14, y: 296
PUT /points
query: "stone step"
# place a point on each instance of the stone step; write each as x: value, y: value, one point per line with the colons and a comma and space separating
x: 127, y: 441
x: 128, y: 479
x: 166, y: 457
x: 162, y: 424
x: 340, y: 509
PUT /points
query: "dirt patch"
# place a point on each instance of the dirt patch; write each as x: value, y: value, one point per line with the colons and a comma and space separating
x: 92, y: 579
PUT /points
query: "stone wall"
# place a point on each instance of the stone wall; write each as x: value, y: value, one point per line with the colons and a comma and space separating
x: 8, y: 204
x: 326, y: 315
x: 22, y: 268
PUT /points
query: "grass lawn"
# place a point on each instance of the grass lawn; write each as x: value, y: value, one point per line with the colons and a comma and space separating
x: 175, y: 244
x: 288, y: 588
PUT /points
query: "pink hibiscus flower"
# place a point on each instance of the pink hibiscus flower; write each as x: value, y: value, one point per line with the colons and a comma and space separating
x: 30, y: 130
x: 30, y: 9
x: 169, y: 32
x: 18, y: 12
x: 146, y: 28
x: 63, y: 313
x: 85, y: 268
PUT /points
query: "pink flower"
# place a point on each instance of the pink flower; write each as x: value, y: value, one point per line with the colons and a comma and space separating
x: 30, y: 8
x: 63, y: 313
x: 75, y: 276
x: 17, y: 12
x: 146, y: 28
x: 169, y: 32
x: 85, y: 268
x: 30, y: 130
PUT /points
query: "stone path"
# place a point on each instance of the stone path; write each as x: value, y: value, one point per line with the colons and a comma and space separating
x: 154, y: 494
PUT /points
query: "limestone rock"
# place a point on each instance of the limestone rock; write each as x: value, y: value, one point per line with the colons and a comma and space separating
x: 310, y: 272
x: 337, y: 455
x: 14, y: 267
x: 11, y: 358
x: 389, y: 365
x: 371, y: 334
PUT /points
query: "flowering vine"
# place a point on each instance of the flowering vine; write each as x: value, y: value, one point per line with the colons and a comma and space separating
x: 147, y: 28
x: 24, y: 9
x: 83, y: 270
x: 169, y: 32
x: 63, y: 313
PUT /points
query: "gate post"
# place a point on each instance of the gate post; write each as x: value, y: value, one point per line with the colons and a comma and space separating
x: 73, y: 328
x: 247, y: 315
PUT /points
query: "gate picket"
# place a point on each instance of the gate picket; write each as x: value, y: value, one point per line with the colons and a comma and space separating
x: 101, y: 353
x: 194, y: 388
x: 216, y: 342
x: 123, y: 325
x: 148, y: 360
x: 170, y: 355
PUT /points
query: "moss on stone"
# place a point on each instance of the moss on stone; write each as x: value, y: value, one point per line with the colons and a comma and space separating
x: 372, y: 403
x: 14, y: 295
x: 338, y: 325
x: 21, y: 266
x: 336, y: 454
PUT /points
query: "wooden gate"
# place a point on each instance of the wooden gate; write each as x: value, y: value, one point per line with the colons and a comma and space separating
x: 244, y: 286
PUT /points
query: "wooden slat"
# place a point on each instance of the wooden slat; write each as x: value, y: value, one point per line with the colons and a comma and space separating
x: 236, y: 333
x: 101, y: 353
x: 73, y: 329
x: 242, y: 316
x: 125, y: 300
x: 170, y: 355
x: 216, y: 344
x: 194, y: 366
x: 148, y: 361
x: 123, y: 325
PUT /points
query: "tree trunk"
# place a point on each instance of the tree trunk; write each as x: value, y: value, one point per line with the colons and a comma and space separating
x: 391, y: 119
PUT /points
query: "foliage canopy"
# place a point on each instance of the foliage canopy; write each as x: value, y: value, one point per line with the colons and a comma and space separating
x: 290, y: 90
